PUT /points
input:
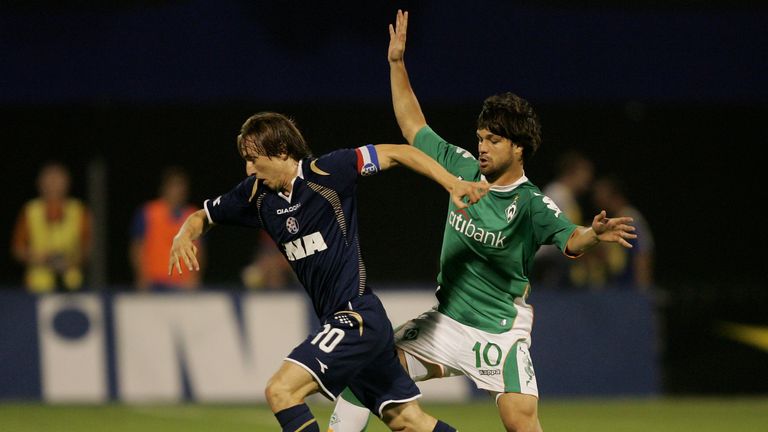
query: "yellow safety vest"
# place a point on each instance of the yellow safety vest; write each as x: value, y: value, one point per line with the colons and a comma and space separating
x: 50, y: 238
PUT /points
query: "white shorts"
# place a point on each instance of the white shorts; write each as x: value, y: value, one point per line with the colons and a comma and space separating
x: 495, y: 362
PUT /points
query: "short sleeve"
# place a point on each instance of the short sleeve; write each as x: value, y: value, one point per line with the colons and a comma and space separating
x: 456, y: 160
x: 550, y: 225
x: 236, y: 207
x: 340, y: 169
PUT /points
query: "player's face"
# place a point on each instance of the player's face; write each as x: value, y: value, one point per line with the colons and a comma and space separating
x: 267, y: 169
x: 497, y: 154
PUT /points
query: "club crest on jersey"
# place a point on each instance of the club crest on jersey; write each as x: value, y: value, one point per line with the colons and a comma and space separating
x: 512, y: 210
x: 292, y: 225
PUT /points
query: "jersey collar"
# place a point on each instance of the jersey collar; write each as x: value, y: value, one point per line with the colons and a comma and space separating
x: 509, y: 187
x: 299, y: 174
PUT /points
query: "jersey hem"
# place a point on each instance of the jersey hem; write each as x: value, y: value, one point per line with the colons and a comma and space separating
x: 391, y: 401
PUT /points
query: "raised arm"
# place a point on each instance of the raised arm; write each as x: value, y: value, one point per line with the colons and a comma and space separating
x: 397, y: 154
x: 407, y: 109
x: 603, y: 229
x: 182, y: 247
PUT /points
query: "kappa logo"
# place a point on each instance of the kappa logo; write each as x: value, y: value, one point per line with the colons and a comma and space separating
x: 489, y: 372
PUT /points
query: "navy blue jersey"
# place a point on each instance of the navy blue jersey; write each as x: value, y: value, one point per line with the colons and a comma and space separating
x: 315, y: 227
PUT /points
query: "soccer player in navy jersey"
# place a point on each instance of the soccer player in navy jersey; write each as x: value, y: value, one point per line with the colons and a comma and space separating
x: 308, y: 206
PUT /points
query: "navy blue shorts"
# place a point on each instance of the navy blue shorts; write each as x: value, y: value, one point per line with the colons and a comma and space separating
x: 354, y: 348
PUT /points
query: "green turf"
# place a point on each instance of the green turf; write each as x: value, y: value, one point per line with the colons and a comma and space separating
x: 658, y: 415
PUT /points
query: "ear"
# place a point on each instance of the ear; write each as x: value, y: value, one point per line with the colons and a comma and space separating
x: 517, y: 150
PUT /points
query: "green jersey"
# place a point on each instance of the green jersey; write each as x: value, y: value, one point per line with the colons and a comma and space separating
x: 488, y: 248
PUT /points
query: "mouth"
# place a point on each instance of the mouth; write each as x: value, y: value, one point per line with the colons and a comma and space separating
x: 484, y: 162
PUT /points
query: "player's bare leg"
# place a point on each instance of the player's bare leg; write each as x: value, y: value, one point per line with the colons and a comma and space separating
x: 349, y: 415
x: 519, y: 412
x: 285, y: 394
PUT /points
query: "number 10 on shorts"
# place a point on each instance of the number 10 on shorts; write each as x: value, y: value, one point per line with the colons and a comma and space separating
x: 491, y: 354
x: 328, y: 338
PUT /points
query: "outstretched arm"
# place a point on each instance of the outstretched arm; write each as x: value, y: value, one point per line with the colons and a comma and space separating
x: 407, y: 109
x: 182, y: 247
x: 397, y: 154
x: 603, y: 229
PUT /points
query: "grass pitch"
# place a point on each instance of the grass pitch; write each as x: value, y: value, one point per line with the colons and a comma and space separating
x: 658, y: 415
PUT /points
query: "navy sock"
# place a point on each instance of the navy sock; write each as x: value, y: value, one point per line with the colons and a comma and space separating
x: 298, y: 418
x: 442, y: 427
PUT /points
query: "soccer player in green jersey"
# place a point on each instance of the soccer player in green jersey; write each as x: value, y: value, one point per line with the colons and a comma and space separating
x: 482, y: 325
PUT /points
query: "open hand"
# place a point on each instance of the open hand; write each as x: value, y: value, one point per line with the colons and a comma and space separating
x: 613, y: 230
x: 184, y: 250
x: 397, y: 37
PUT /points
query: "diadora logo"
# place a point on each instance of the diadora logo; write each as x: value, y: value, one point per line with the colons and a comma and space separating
x: 463, y: 224
x: 305, y: 246
x: 289, y: 209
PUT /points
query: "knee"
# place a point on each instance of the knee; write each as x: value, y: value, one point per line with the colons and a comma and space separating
x: 522, y: 422
x: 278, y: 394
x: 521, y: 418
x: 411, y: 418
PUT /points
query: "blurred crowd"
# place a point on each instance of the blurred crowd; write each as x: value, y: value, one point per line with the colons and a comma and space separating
x: 52, y: 237
x: 577, y: 192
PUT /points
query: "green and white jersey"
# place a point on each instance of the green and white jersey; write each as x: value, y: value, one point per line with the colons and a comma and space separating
x: 488, y: 248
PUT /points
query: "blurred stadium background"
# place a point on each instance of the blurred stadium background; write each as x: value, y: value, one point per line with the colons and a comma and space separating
x: 671, y: 95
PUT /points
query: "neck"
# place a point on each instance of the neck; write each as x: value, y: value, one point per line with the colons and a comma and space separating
x: 508, y: 177
x: 292, y: 167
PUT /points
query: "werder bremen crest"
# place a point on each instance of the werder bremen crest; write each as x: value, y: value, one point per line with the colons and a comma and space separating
x: 512, y: 209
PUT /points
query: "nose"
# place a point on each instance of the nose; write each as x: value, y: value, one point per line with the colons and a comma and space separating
x: 482, y: 146
x: 249, y: 168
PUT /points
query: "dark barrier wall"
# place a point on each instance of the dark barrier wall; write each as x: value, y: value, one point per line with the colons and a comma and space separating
x: 688, y: 168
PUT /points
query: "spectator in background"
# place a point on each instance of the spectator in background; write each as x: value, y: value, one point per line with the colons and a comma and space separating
x: 621, y: 266
x: 574, y: 176
x: 269, y: 269
x: 152, y: 230
x: 52, y: 236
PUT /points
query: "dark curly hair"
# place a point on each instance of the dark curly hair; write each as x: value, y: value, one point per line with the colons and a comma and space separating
x: 512, y: 117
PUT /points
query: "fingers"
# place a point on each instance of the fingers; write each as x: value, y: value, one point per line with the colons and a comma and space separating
x: 458, y: 202
x: 189, y: 256
x: 391, y: 33
x: 174, y: 262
